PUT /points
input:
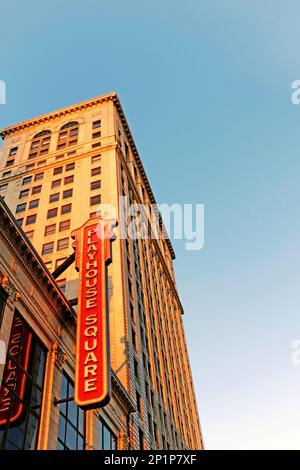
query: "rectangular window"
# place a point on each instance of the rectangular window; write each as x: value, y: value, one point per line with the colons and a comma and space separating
x: 70, y: 426
x: 41, y: 162
x: 13, y: 151
x: 96, y: 124
x: 95, y: 185
x: 36, y: 189
x: 39, y: 176
x: 96, y: 144
x: 34, y: 203
x: 6, y: 174
x: 10, y: 162
x: 62, y: 284
x: 95, y: 200
x: 24, y: 193
x: 29, y: 234
x: 55, y: 184
x: 93, y: 215
x: 96, y: 135
x: 65, y: 209
x: 58, y: 170
x: 96, y: 171
x: 29, y: 167
x: 20, y: 418
x: 107, y: 439
x: 64, y: 225
x: 52, y: 213
x: 21, y: 208
x: 3, y: 187
x: 48, y: 248
x: 70, y: 166
x: 20, y: 222
x: 67, y: 193
x: 27, y: 180
x: 63, y: 244
x: 96, y: 158
x: 31, y: 219
x: 50, y: 229
x: 69, y: 179
x: 54, y: 197
x: 59, y: 157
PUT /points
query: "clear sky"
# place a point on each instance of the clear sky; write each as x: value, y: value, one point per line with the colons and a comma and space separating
x: 206, y: 87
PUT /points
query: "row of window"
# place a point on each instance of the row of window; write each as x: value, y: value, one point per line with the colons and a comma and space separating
x: 68, y: 136
x: 62, y: 244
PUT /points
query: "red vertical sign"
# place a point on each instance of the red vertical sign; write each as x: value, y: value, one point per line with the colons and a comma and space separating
x: 18, y: 354
x: 93, y: 254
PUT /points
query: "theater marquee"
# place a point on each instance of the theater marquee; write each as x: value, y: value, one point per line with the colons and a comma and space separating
x: 92, y: 255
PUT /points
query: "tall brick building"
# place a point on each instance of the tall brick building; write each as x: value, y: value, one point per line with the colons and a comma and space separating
x: 55, y: 172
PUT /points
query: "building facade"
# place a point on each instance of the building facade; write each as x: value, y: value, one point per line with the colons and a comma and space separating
x: 57, y: 171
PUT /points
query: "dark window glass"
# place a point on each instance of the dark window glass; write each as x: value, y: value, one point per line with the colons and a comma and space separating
x: 65, y: 209
x: 52, y: 213
x: 69, y: 179
x: 57, y: 170
x: 50, y: 229
x: 27, y: 180
x: 56, y: 183
x: 34, y: 203
x: 70, y: 166
x: 95, y: 185
x: 96, y: 171
x: 96, y: 158
x: 54, y: 197
x: 48, y: 248
x: 21, y: 208
x: 39, y: 176
x: 96, y: 124
x: 107, y: 439
x: 40, y: 144
x: 3, y: 299
x: 24, y: 193
x: 95, y: 200
x: 13, y: 151
x: 67, y: 193
x: 68, y: 135
x: 31, y: 219
x: 36, y: 189
x: 10, y: 162
x: 63, y: 244
x: 70, y: 426
x: 64, y: 225
x: 21, y: 395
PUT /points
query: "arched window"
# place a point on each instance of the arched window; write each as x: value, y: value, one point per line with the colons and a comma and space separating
x: 68, y: 135
x: 40, y: 144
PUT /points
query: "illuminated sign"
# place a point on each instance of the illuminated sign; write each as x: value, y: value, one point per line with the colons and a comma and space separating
x: 14, y: 379
x: 92, y: 255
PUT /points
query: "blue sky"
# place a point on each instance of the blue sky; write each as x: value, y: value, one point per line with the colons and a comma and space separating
x: 206, y: 87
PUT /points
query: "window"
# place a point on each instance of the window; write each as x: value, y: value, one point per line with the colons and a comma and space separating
x: 48, y: 265
x: 57, y: 170
x: 70, y: 166
x: 6, y: 174
x: 96, y: 158
x: 21, y: 415
x: 62, y: 285
x: 59, y: 262
x: 63, y: 244
x: 95, y: 200
x: 52, y: 213
x: 40, y: 144
x: 54, y: 197
x: 48, y: 248
x: 69, y: 179
x: 141, y: 439
x: 95, y: 185
x: 96, y: 124
x: 39, y: 176
x: 34, y: 203
x: 41, y: 162
x: 96, y: 135
x: 13, y: 151
x: 27, y: 180
x: 29, y: 167
x: 93, y: 215
x: 70, y: 426
x: 96, y: 171
x: 96, y: 144
x: 64, y: 225
x: 50, y: 229
x: 29, y: 234
x: 68, y: 135
x: 20, y: 222
x: 55, y: 184
x: 10, y: 162
x: 31, y: 219
x: 107, y: 439
x: 21, y: 208
x: 65, y: 209
x: 36, y: 189
x: 24, y: 193
x: 3, y: 299
x: 67, y: 193
x: 59, y: 157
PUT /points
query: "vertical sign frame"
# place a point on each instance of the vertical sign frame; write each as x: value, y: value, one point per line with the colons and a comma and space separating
x: 92, y: 244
